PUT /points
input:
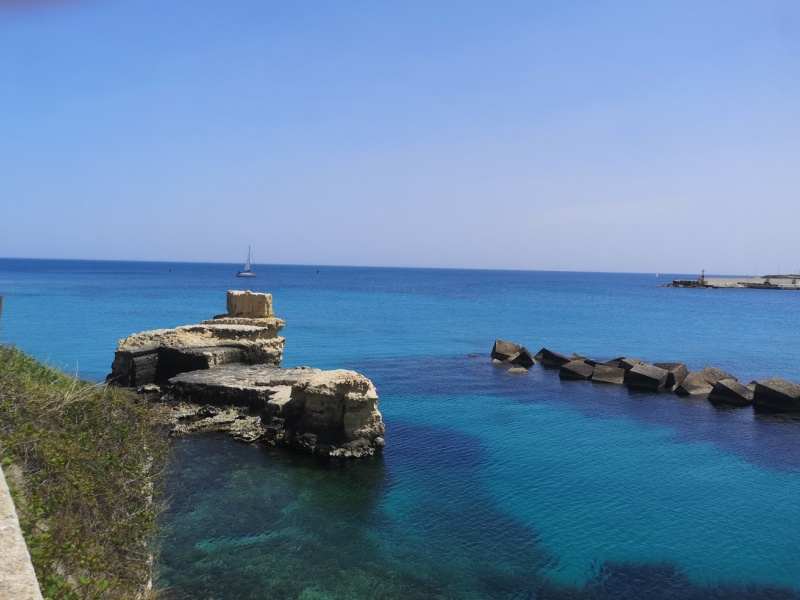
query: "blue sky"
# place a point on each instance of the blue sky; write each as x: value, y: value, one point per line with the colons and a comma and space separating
x: 603, y: 135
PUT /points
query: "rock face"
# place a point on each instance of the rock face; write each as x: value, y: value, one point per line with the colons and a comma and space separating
x: 224, y: 375
x: 248, y: 333
x: 777, y: 395
x: 332, y: 413
x: 730, y: 391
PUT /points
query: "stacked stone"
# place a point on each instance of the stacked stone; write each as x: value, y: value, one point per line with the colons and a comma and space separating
x: 719, y: 387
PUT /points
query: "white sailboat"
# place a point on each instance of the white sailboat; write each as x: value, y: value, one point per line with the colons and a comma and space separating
x: 247, y: 272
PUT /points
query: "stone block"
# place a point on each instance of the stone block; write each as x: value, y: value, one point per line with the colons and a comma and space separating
x: 777, y: 395
x: 712, y: 375
x: 647, y: 377
x: 608, y: 374
x: 729, y: 391
x: 677, y: 373
x: 249, y: 304
x: 510, y: 352
x: 588, y: 361
x: 503, y: 350
x: 694, y: 384
x: 522, y: 358
x: 548, y: 358
x: 576, y: 369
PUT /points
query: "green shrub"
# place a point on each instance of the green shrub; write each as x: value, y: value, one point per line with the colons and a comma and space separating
x: 86, y: 466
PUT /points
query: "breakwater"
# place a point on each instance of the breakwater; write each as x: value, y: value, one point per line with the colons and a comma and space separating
x: 770, y: 395
x: 765, y: 282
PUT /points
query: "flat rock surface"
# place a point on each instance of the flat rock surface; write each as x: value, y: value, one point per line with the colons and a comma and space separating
x: 241, y: 376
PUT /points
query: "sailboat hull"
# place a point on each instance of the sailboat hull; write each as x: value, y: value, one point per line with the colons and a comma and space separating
x: 245, y: 274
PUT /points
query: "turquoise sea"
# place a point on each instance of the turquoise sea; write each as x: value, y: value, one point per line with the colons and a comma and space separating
x: 491, y: 485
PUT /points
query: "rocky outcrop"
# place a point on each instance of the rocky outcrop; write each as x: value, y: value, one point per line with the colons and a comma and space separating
x: 332, y: 413
x: 248, y: 334
x: 777, y: 395
x: 730, y: 391
x: 224, y: 375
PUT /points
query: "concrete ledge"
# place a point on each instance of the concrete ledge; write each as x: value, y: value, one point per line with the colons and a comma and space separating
x: 17, y: 577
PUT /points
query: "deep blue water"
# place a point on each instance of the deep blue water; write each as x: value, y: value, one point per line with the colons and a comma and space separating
x: 491, y: 485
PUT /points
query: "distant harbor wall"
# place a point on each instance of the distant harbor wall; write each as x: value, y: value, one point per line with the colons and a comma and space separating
x: 765, y: 282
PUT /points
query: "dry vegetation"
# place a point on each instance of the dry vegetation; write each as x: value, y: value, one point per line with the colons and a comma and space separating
x: 85, y: 464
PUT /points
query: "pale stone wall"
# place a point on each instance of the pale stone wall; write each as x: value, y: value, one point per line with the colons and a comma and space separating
x: 249, y: 304
x: 17, y: 577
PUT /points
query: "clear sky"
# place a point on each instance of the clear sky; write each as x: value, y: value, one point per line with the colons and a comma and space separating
x: 594, y: 135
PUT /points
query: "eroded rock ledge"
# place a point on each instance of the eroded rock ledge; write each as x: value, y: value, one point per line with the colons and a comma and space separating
x: 224, y: 375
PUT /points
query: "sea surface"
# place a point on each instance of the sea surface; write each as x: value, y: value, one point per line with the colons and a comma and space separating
x: 492, y: 485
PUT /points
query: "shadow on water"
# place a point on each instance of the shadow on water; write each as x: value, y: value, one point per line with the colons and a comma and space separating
x: 250, y: 522
x: 258, y: 522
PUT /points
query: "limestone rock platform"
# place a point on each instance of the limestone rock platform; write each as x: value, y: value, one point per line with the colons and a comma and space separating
x: 224, y: 374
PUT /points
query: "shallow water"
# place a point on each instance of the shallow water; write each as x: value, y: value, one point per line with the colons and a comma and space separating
x: 491, y: 485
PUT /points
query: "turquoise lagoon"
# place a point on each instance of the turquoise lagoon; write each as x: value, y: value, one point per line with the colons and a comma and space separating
x: 491, y: 485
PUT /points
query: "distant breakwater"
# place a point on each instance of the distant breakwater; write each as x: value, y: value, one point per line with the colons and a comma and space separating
x: 771, y: 395
x: 765, y: 282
